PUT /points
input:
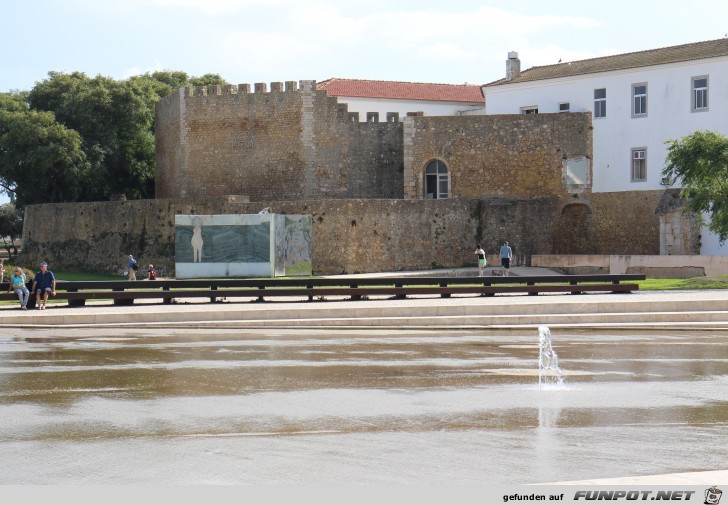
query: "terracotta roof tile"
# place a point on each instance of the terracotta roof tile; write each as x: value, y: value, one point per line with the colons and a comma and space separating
x: 661, y: 56
x: 466, y: 93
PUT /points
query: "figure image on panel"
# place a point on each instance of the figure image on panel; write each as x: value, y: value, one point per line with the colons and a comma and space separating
x: 297, y: 244
x: 197, y: 239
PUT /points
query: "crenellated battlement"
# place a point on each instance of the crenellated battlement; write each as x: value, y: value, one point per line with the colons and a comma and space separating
x: 276, y: 87
x: 244, y: 89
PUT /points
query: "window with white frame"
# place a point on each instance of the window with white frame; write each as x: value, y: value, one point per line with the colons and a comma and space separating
x: 531, y: 109
x: 700, y: 93
x: 639, y: 100
x: 639, y: 164
x: 564, y: 106
x: 600, y: 102
x: 437, y: 180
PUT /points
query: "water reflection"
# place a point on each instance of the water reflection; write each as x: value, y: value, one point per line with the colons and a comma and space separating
x: 356, y: 406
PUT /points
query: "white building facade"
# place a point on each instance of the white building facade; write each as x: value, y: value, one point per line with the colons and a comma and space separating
x: 638, y: 102
x: 375, y: 99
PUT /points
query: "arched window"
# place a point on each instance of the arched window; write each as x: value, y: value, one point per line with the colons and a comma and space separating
x: 437, y: 180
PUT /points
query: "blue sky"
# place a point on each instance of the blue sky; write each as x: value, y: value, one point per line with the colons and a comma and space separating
x: 248, y: 41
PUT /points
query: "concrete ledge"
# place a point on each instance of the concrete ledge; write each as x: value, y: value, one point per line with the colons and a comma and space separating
x: 644, y: 310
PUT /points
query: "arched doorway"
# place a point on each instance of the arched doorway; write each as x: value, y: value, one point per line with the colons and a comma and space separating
x: 573, y: 230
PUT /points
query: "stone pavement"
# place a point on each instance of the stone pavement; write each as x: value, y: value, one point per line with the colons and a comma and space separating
x: 642, y: 310
x: 671, y: 479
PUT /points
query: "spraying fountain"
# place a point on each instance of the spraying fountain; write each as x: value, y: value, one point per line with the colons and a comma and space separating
x: 548, y: 362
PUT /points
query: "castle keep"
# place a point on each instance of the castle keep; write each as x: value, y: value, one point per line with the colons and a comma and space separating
x: 388, y: 194
x: 277, y: 145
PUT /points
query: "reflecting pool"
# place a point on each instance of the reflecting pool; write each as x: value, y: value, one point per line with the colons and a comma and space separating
x: 356, y: 406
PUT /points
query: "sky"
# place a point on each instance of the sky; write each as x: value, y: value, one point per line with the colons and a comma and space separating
x: 249, y: 41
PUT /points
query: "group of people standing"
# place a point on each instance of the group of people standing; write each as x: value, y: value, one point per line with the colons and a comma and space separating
x: 506, y: 255
x: 44, y: 285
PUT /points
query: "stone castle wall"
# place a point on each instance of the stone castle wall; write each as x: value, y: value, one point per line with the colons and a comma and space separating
x: 362, y: 235
x: 288, y: 143
x: 511, y: 156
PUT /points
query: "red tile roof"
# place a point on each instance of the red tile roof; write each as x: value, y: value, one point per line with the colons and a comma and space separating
x: 661, y: 56
x: 465, y: 93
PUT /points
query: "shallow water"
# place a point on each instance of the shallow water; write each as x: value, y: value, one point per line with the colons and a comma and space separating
x: 317, y: 406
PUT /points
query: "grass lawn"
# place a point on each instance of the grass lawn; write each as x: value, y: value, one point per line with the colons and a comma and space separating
x: 715, y: 282
x: 63, y: 275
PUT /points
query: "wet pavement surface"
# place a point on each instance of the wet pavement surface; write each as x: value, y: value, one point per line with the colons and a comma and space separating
x: 149, y: 406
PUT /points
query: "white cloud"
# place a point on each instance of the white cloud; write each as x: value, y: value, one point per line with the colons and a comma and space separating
x: 132, y: 71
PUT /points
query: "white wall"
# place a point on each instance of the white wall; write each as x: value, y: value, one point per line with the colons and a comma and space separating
x: 713, y: 265
x: 669, y: 113
x: 382, y: 106
x: 710, y: 244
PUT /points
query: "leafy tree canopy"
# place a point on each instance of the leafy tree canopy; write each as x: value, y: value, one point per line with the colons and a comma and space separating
x: 699, y: 162
x: 40, y: 159
x: 77, y: 138
x: 11, y: 227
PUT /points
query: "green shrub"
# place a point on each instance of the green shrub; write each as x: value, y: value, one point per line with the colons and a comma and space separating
x: 9, y: 269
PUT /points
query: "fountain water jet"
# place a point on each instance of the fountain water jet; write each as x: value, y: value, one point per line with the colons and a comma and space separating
x: 548, y: 361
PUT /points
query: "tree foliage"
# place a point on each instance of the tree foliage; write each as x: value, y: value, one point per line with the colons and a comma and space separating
x: 699, y: 162
x: 40, y: 159
x: 77, y: 138
x: 11, y: 227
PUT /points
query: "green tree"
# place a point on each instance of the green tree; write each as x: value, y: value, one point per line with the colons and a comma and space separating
x: 699, y: 162
x: 88, y: 137
x: 115, y: 121
x: 11, y: 227
x: 40, y: 159
x: 207, y: 80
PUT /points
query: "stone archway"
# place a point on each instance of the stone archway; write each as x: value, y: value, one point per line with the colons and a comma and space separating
x: 572, y: 231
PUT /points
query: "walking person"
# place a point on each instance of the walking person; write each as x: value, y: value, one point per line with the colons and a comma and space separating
x: 132, y: 266
x: 18, y: 280
x: 506, y: 254
x: 43, y: 284
x: 481, y: 260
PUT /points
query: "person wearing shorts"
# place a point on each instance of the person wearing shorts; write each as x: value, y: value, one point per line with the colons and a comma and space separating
x: 43, y: 284
x: 506, y: 253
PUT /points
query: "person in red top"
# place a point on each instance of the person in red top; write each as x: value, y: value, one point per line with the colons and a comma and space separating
x: 152, y: 275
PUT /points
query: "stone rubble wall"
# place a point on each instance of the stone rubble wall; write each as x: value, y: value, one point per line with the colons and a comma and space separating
x: 349, y: 236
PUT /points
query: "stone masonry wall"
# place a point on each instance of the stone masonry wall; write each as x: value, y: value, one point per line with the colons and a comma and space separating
x: 502, y: 156
x: 348, y: 235
x: 364, y: 235
x: 284, y: 144
x: 626, y: 223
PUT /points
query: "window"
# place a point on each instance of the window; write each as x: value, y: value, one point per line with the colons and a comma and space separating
x: 639, y: 100
x: 600, y: 102
x: 700, y: 94
x: 531, y: 109
x: 437, y: 180
x: 564, y: 106
x: 639, y: 164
